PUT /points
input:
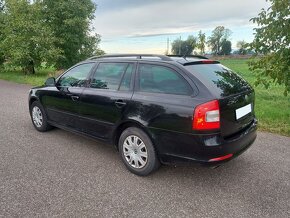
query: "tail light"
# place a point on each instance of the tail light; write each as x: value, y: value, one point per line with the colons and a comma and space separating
x: 206, y: 116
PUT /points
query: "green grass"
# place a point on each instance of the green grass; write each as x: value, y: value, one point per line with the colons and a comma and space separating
x: 34, y: 80
x: 272, y: 107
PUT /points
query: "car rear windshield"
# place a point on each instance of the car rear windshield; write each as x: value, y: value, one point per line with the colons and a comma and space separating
x: 219, y: 79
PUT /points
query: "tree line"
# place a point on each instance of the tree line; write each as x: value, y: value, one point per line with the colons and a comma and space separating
x: 270, y: 49
x: 218, y: 42
x: 57, y: 33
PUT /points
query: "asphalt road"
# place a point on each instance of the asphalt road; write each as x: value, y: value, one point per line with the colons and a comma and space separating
x: 65, y: 175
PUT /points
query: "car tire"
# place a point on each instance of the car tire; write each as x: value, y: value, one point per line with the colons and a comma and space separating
x: 137, y: 152
x: 39, y: 117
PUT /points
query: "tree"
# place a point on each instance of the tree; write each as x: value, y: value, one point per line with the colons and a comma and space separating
x: 55, y: 32
x: 2, y: 57
x: 201, y: 42
x: 70, y: 22
x: 271, y: 44
x: 27, y: 41
x: 219, y: 35
x: 226, y: 47
x: 192, y: 41
x: 243, y: 47
x: 2, y: 3
x: 180, y: 47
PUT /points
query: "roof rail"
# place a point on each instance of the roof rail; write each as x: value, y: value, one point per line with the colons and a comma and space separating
x: 188, y: 56
x: 138, y: 56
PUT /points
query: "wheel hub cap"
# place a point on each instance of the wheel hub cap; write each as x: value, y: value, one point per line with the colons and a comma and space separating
x: 37, y: 116
x: 135, y: 151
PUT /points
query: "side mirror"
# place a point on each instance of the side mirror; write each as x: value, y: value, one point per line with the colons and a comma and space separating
x: 50, y: 81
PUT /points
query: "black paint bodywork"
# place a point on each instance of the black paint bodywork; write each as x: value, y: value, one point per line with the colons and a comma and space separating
x: 166, y: 118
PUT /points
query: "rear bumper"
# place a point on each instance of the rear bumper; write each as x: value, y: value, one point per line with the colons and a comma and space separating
x: 210, y: 149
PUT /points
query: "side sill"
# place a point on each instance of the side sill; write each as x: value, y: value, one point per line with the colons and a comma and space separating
x: 107, y: 141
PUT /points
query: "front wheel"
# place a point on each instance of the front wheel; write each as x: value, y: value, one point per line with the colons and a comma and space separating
x: 138, y: 152
x: 38, y: 117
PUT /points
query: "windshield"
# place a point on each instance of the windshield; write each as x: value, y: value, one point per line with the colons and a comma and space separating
x: 220, y: 79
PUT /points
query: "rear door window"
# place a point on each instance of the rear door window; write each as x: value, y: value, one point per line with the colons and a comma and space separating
x: 126, y: 81
x: 161, y: 79
x: 219, y: 79
x: 108, y: 75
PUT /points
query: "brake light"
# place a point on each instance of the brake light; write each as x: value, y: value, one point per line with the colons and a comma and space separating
x: 208, y: 61
x: 206, y: 116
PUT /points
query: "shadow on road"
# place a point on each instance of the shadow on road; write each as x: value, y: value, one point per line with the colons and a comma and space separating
x: 190, y: 171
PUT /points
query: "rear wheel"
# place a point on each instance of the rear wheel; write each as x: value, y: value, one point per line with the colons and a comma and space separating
x: 38, y: 117
x: 138, y: 152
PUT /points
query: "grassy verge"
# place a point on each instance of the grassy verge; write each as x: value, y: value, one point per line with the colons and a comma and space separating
x: 272, y: 107
x: 34, y: 80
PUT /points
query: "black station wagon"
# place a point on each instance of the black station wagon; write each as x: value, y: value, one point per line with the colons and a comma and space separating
x: 153, y: 108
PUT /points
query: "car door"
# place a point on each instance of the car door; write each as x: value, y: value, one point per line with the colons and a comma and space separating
x: 62, y: 101
x: 165, y: 97
x: 106, y: 98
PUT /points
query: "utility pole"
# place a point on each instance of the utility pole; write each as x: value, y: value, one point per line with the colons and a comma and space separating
x: 167, y: 52
x: 179, y: 52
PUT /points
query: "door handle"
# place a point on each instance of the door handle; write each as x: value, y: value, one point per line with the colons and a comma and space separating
x: 75, y: 97
x: 120, y: 103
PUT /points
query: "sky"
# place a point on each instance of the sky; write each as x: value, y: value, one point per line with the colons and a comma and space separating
x: 135, y: 26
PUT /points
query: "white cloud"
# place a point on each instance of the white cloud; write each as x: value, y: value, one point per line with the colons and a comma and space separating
x: 167, y: 17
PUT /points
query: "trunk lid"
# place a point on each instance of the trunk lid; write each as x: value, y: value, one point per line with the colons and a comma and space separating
x: 236, y: 97
x: 236, y: 113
